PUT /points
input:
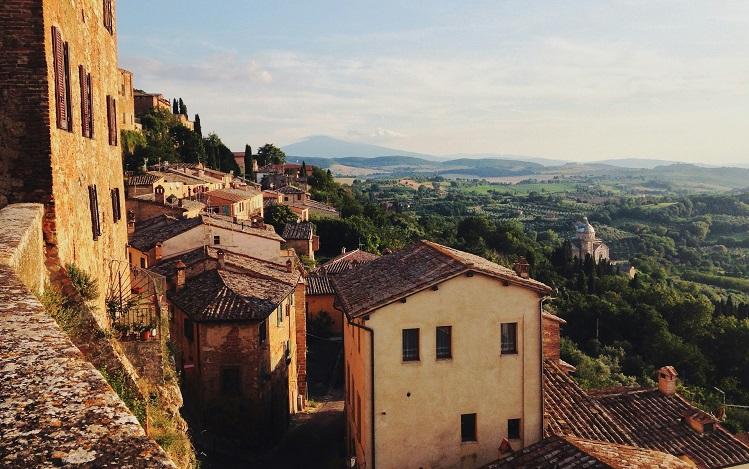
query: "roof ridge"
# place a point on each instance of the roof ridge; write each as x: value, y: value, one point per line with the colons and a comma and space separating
x: 446, y: 251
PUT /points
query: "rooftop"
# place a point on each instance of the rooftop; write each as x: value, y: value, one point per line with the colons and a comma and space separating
x: 224, y: 295
x: 567, y: 452
x: 290, y: 190
x: 347, y: 260
x: 419, y: 266
x: 302, y: 230
x: 233, y: 195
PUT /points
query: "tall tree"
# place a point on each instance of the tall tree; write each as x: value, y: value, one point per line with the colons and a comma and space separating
x: 270, y: 153
x: 198, y: 129
x: 248, y: 161
x: 182, y: 107
x: 175, y: 106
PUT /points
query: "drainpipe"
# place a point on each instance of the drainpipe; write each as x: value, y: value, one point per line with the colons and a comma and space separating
x: 541, y: 370
x: 371, y: 379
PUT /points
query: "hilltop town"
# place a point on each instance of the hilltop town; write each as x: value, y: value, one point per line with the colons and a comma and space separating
x: 168, y: 302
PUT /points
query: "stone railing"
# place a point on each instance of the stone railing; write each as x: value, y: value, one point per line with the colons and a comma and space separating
x: 55, y: 408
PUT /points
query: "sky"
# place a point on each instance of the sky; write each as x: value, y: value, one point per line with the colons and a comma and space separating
x: 577, y: 80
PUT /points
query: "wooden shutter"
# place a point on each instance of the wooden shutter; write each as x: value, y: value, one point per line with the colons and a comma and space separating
x: 93, y: 202
x: 90, y: 105
x: 58, y: 56
x: 108, y: 17
x: 85, y: 122
x: 68, y: 107
x: 116, y: 209
x: 112, y: 120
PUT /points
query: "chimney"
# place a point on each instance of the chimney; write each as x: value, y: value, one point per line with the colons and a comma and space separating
x: 521, y: 267
x: 157, y: 252
x: 221, y: 259
x: 179, y: 281
x: 667, y: 380
x: 343, y: 250
x: 289, y: 265
x: 130, y: 227
x: 234, y: 219
x: 159, y: 195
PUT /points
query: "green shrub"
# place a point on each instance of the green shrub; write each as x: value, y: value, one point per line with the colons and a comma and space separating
x: 86, y: 286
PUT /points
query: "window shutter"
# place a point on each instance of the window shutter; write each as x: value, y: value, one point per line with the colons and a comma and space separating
x: 90, y: 106
x: 68, y: 105
x: 85, y: 129
x: 116, y: 209
x: 111, y: 118
x: 108, y: 20
x: 114, y: 122
x: 59, y: 64
x: 93, y: 203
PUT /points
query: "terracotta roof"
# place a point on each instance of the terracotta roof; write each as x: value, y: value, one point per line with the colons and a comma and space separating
x: 232, y: 195
x: 302, y: 230
x: 347, y: 260
x: 318, y: 283
x: 571, y: 411
x: 223, y: 295
x: 571, y: 453
x: 645, y: 418
x: 290, y: 190
x: 228, y: 223
x: 419, y: 266
x: 158, y: 229
x: 143, y: 179
x: 657, y: 422
x: 320, y: 206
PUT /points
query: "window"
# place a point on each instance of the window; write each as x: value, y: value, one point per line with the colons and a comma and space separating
x: 230, y: 381
x: 444, y: 342
x: 116, y: 206
x: 108, y: 16
x: 509, y: 338
x: 87, y: 120
x: 142, y: 262
x: 468, y: 427
x: 279, y: 315
x: 61, y: 64
x: 217, y: 240
x: 410, y: 345
x: 513, y: 429
x: 93, y: 205
x: 262, y: 333
x: 112, y: 120
x: 187, y: 327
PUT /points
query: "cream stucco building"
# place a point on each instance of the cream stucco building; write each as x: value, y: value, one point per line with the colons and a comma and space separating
x: 443, y: 359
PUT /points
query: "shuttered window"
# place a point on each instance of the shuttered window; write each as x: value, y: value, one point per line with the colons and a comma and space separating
x: 93, y: 202
x: 108, y: 16
x: 112, y: 120
x: 87, y: 119
x: 116, y: 207
x: 62, y: 80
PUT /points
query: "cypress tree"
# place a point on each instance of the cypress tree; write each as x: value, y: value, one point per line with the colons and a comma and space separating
x: 182, y: 107
x: 198, y: 129
x: 175, y: 107
x: 248, y: 160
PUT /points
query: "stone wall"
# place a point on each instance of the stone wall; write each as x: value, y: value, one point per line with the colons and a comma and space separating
x: 56, y: 409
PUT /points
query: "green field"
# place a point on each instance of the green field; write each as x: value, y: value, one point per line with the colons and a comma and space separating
x: 521, y: 189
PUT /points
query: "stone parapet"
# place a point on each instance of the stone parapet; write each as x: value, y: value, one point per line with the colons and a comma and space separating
x: 55, y: 408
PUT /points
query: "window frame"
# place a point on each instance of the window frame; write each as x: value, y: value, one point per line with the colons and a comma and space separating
x: 216, y: 240
x: 411, y: 353
x: 449, y: 354
x: 514, y: 429
x: 513, y: 332
x: 93, y: 205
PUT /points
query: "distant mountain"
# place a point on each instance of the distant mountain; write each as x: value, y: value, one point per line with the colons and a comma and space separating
x: 322, y: 146
x: 494, y: 156
x: 636, y: 163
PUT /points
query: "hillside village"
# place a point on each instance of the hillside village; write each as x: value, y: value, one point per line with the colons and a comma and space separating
x: 203, y: 310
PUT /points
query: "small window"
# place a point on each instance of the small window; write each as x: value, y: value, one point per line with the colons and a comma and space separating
x: 444, y: 342
x: 468, y: 427
x: 509, y: 338
x: 217, y: 240
x: 143, y: 263
x: 262, y: 332
x: 513, y: 429
x: 279, y: 315
x: 230, y: 381
x: 410, y: 345
x: 187, y: 326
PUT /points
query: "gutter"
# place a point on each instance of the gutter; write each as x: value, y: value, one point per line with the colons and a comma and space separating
x: 371, y: 378
x: 541, y: 370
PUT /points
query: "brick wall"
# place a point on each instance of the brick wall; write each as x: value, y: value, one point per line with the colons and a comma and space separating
x: 551, y: 338
x: 25, y: 172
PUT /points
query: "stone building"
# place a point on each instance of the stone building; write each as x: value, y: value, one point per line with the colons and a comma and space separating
x: 241, y: 204
x: 585, y: 243
x: 443, y: 358
x: 144, y: 102
x: 301, y: 237
x: 236, y: 321
x: 126, y: 115
x: 59, y: 129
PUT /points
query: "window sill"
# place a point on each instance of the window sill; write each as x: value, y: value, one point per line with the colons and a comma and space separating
x: 409, y: 362
x: 469, y: 443
x: 444, y: 359
x: 509, y: 354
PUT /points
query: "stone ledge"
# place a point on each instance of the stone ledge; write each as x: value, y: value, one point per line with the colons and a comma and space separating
x: 55, y: 408
x: 21, y: 243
